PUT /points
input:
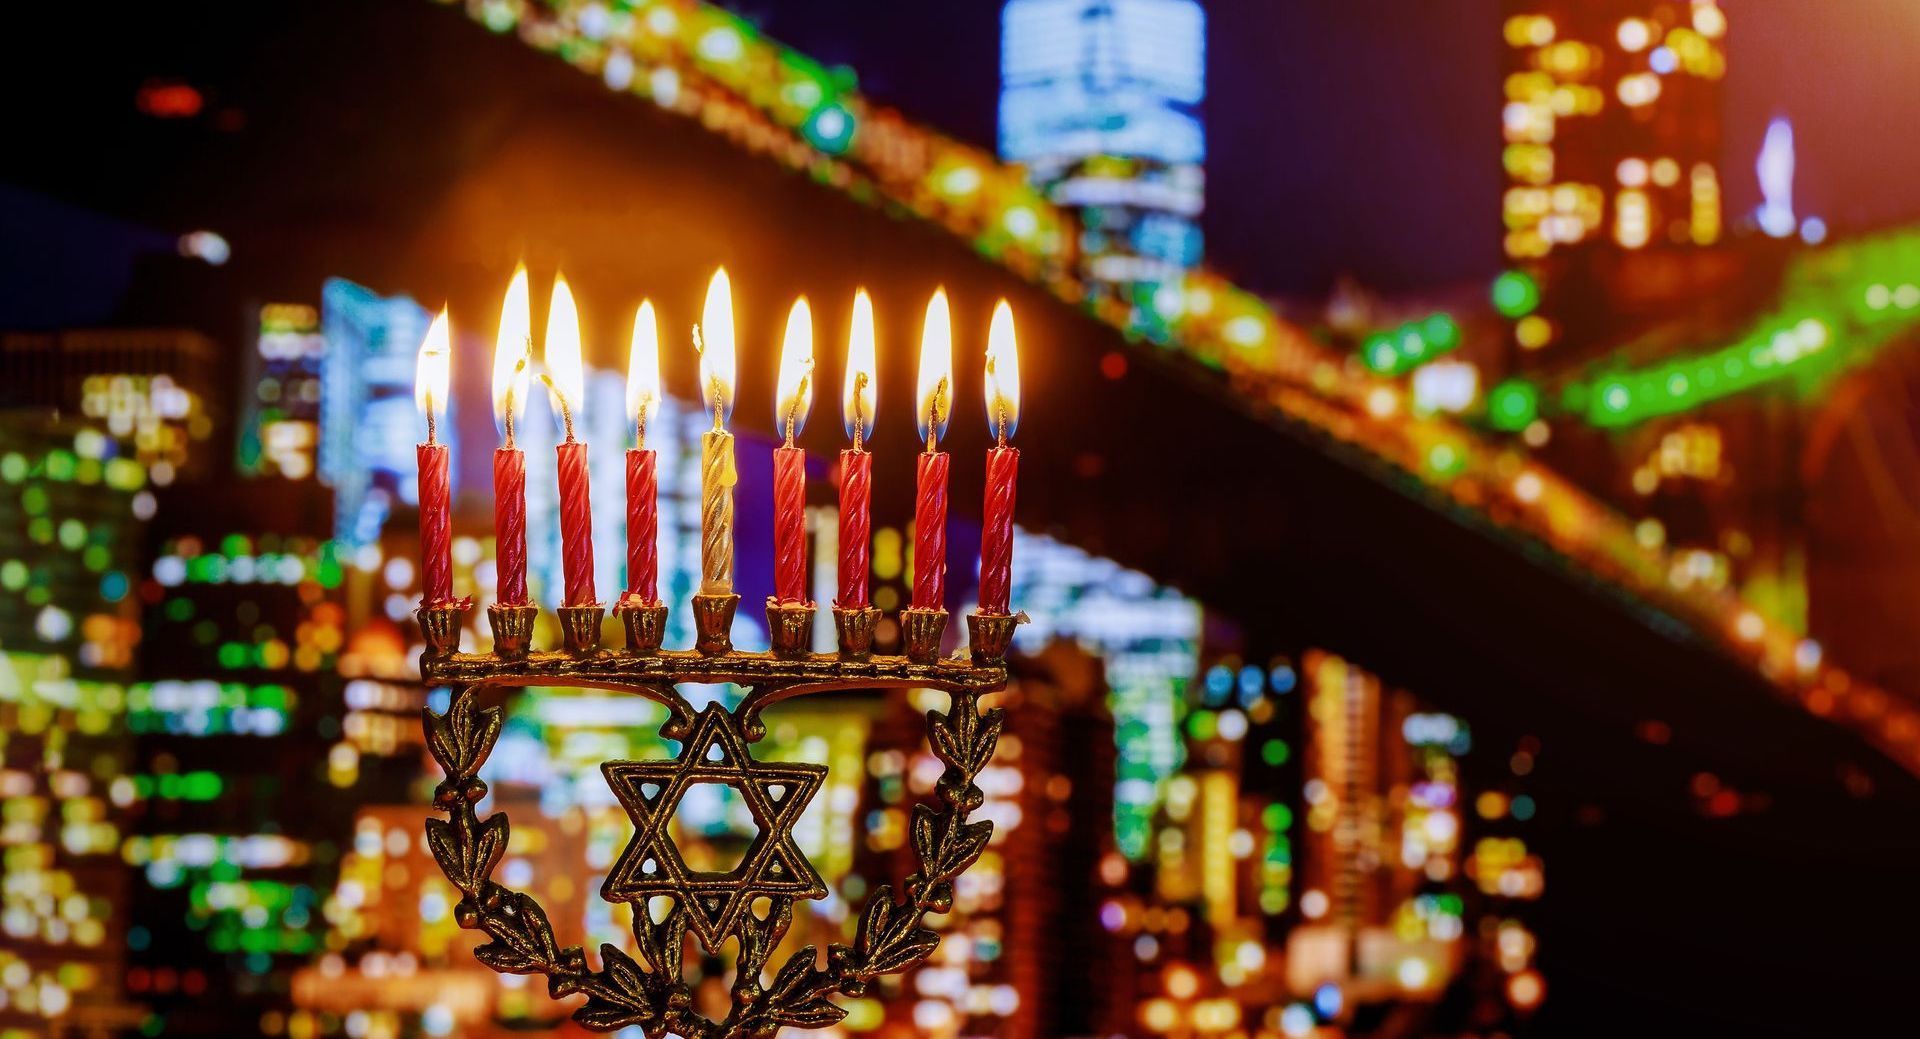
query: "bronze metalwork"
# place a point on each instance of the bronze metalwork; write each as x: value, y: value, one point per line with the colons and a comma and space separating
x: 645, y: 622
x: 440, y: 627
x: 922, y: 630
x: 512, y: 630
x: 855, y: 628
x: 650, y: 991
x: 989, y: 635
x: 713, y: 623
x: 790, y: 628
x: 580, y: 629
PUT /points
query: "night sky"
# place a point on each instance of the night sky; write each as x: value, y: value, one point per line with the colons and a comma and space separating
x: 1362, y: 136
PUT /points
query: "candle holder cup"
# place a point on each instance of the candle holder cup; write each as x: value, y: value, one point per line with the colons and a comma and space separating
x: 713, y: 623
x: 855, y: 627
x: 440, y: 626
x: 923, y: 630
x: 512, y: 629
x: 790, y: 628
x: 989, y: 635
x: 645, y: 622
x: 580, y: 629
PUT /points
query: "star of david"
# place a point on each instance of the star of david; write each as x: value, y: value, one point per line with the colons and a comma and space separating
x: 775, y: 795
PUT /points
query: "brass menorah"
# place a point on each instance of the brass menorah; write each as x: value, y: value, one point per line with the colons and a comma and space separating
x: 670, y: 901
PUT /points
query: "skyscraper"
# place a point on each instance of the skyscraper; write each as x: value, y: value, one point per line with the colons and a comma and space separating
x: 1099, y: 99
x: 1612, y: 125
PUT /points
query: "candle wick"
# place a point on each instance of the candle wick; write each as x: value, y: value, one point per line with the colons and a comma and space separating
x: 719, y: 418
x: 640, y: 429
x: 566, y: 413
x: 935, y: 402
x: 859, y: 408
x: 509, y: 419
x: 430, y: 426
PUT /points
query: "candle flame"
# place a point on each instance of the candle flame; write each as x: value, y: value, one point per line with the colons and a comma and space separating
x: 1003, y: 374
x: 432, y: 372
x: 714, y: 339
x: 794, y: 395
x: 512, y: 367
x: 643, y: 368
x: 565, y: 378
x: 933, y: 404
x: 859, y: 397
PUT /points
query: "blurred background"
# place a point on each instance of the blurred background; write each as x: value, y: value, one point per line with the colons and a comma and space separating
x: 1467, y: 517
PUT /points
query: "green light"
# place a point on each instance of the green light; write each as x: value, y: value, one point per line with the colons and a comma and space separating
x: 1515, y: 294
x: 233, y: 655
x: 1445, y: 459
x: 1275, y: 753
x: 830, y: 128
x: 1513, y: 405
x: 1442, y: 331
x: 1380, y: 354
x: 13, y: 575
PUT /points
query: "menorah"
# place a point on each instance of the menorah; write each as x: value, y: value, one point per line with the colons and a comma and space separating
x: 671, y: 901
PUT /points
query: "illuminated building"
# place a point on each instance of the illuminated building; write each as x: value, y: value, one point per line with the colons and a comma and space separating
x: 1612, y: 128
x: 367, y: 415
x: 1099, y: 101
x: 70, y: 526
x: 1382, y: 918
x: 245, y: 629
x: 1025, y: 953
x: 280, y: 417
x: 156, y: 390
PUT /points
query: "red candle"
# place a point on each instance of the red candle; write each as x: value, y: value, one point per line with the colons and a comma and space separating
x: 930, y: 533
x: 790, y: 525
x: 996, y: 532
x: 567, y: 380
x: 643, y: 528
x: 1003, y: 464
x: 792, y: 399
x: 510, y: 385
x: 856, y: 526
x: 576, y: 522
x: 934, y: 403
x: 436, y: 496
x: 643, y: 489
x: 856, y: 465
x: 510, y: 523
x: 436, y: 534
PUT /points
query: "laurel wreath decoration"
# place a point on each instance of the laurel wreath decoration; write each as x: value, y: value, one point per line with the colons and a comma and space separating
x: 650, y: 991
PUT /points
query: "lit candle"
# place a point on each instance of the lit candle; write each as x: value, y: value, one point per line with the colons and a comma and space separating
x: 567, y: 382
x: 511, y: 376
x: 431, y: 379
x: 856, y: 464
x: 791, y: 402
x: 714, y: 339
x: 1003, y: 463
x: 643, y: 494
x: 934, y: 403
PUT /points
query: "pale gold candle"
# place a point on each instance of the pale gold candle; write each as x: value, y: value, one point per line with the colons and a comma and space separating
x: 717, y: 476
x: 714, y: 340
